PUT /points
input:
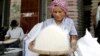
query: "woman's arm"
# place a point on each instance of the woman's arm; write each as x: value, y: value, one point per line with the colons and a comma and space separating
x: 7, y: 36
x: 73, y: 43
x: 21, y: 34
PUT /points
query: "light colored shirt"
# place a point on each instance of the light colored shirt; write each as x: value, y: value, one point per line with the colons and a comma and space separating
x: 15, y: 33
x: 67, y: 24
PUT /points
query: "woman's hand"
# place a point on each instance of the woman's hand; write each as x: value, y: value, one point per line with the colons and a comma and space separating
x: 7, y: 37
x: 73, y: 48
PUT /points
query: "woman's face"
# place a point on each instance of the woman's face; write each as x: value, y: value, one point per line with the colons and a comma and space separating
x: 58, y: 13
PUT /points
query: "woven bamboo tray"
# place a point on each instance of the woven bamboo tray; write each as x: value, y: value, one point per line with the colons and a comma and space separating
x: 31, y: 48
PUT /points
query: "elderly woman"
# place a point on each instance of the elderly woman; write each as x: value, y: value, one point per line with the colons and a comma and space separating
x: 58, y: 9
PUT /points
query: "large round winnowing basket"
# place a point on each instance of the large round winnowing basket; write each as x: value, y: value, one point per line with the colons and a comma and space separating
x: 12, y: 40
x: 31, y: 48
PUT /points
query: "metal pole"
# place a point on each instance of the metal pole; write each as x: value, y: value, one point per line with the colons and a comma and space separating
x: 3, y: 13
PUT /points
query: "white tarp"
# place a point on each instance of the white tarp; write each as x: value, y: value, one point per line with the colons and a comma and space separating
x: 88, y: 46
x: 30, y: 37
